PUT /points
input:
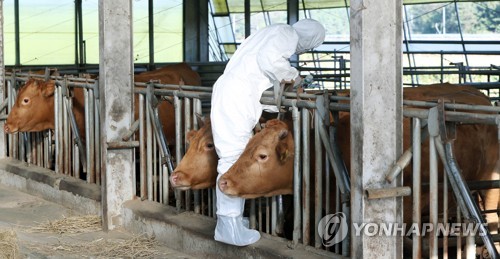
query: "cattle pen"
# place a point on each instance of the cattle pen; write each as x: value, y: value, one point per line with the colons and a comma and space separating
x: 324, y: 191
x: 386, y: 146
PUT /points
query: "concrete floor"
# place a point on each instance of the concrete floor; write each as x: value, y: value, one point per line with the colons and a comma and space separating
x: 20, y: 212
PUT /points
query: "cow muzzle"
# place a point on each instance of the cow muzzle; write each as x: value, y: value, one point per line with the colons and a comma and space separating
x: 9, y: 129
x: 176, y: 179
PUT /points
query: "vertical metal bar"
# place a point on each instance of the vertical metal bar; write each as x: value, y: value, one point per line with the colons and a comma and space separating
x: 433, y: 198
x: 459, y: 236
x: 196, y: 193
x: 154, y: 170
x: 416, y: 190
x: 97, y: 134
x: 66, y: 135
x: 149, y: 145
x: 470, y: 246
x: 445, y: 214
x: 274, y: 213
x: 142, y: 149
x: 10, y: 97
x: 187, y: 127
x: 268, y: 215
x: 306, y: 177
x: 47, y: 149
x: 261, y: 224
x: 75, y: 159
x: 296, y: 176
x: 252, y: 218
x: 26, y: 147
x: 87, y: 134
x: 90, y: 140
x: 178, y: 143
x: 318, y: 180
x: 58, y: 131
x: 39, y: 148
x: 165, y: 185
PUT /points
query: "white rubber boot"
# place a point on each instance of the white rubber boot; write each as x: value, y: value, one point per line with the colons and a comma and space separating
x: 230, y: 230
x: 231, y: 227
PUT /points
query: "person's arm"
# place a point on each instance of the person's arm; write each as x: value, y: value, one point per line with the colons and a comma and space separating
x: 273, y: 59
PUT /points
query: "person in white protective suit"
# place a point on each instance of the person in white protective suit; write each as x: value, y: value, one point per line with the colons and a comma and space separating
x: 259, y: 63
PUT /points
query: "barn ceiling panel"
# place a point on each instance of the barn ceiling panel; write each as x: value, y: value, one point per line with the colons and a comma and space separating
x: 223, y: 7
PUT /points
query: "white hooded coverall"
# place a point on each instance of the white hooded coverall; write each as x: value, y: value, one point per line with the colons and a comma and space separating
x: 260, y: 61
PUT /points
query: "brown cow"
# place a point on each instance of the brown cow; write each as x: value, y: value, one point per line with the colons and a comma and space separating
x: 265, y: 167
x: 34, y: 108
x: 198, y: 167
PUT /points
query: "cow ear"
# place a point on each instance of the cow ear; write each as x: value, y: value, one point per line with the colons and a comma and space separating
x: 48, y: 88
x: 283, y: 133
x: 200, y: 119
x: 282, y: 151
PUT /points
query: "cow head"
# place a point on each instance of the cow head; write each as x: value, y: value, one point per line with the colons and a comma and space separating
x: 33, y: 109
x: 265, y: 168
x: 198, y: 167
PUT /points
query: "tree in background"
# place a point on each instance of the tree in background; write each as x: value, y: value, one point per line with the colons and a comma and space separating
x: 488, y: 14
x: 475, y: 18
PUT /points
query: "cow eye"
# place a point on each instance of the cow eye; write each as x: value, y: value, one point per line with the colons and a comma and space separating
x: 210, y: 146
x: 26, y: 100
x: 262, y: 157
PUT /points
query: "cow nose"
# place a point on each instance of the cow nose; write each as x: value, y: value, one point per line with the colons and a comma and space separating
x: 6, y: 128
x: 174, y: 178
x: 222, y: 184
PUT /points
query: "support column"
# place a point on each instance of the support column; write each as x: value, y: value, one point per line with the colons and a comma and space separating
x: 376, y: 120
x: 115, y: 93
x: 3, y: 146
x: 195, y: 30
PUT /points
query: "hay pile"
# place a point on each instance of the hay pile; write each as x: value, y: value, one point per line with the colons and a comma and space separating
x: 9, y: 248
x: 136, y: 247
x: 71, y: 225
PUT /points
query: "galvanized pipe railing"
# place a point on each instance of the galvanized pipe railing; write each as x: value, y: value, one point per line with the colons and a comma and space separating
x: 305, y: 103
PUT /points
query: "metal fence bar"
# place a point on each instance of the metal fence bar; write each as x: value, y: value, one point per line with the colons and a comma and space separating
x: 143, y: 130
x: 433, y: 191
x: 306, y: 176
x: 318, y: 180
x: 296, y: 176
x: 187, y: 128
x: 58, y: 131
x: 416, y: 190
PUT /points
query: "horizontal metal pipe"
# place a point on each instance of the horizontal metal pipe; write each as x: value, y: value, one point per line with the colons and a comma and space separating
x: 469, y: 107
x: 122, y: 144
x: 454, y: 116
x: 387, y: 192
